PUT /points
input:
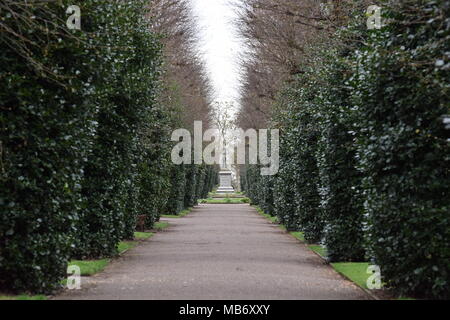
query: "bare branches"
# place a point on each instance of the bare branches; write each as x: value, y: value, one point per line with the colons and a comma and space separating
x: 26, y: 26
x: 276, y: 33
x: 279, y: 34
x: 184, y: 78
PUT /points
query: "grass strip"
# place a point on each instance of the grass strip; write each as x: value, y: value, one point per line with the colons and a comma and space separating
x: 125, y: 246
x: 227, y: 195
x: 161, y: 225
x: 180, y: 215
x: 23, y: 297
x: 225, y: 200
x: 320, y: 250
x: 298, y: 235
x: 267, y: 216
x: 90, y: 267
x: 143, y: 235
x: 355, y: 271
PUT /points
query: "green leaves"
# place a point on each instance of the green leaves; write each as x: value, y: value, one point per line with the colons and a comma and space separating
x: 364, y: 154
x: 83, y: 150
x: 402, y: 149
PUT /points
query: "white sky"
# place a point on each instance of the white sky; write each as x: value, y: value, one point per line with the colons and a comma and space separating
x: 220, y: 45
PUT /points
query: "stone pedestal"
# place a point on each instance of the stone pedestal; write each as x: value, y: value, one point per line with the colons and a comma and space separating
x: 225, y: 182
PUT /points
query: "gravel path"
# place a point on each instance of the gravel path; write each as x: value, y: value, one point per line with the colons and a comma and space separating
x: 218, y: 252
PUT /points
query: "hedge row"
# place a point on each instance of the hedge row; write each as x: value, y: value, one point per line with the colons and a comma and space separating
x: 190, y: 183
x: 364, y: 163
x: 84, y: 142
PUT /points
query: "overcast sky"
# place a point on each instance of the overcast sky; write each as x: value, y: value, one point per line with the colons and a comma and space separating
x: 220, y: 45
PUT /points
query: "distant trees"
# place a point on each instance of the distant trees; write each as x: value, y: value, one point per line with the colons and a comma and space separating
x: 185, y: 92
x: 186, y: 88
x: 278, y: 36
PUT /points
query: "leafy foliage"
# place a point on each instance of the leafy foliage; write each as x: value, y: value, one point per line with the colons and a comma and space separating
x: 364, y: 153
x: 127, y: 66
x: 401, y: 90
x: 176, y: 198
x: 46, y: 129
x: 84, y: 140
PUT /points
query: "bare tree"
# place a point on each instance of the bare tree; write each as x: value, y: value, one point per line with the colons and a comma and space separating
x: 222, y: 114
x: 186, y: 85
x: 25, y: 28
x: 278, y: 34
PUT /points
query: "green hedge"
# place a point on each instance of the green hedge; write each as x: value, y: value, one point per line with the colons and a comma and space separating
x: 210, y: 181
x: 297, y: 202
x: 252, y: 185
x: 175, y: 204
x: 364, y: 155
x: 46, y: 125
x: 339, y: 178
x: 401, y: 90
x: 201, y: 179
x: 127, y: 67
x: 267, y: 194
x: 189, y: 183
x: 205, y: 181
x: 83, y: 139
x: 304, y: 166
x: 190, y: 196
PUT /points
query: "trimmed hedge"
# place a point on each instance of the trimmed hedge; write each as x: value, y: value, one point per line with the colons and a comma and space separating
x: 304, y: 166
x: 364, y: 155
x: 401, y: 90
x: 176, y: 199
x: 127, y: 71
x: 210, y: 181
x: 190, y: 196
x: 339, y: 178
x: 46, y: 125
x: 85, y: 143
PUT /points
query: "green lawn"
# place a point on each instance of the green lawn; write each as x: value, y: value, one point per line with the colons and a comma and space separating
x: 225, y: 195
x: 126, y: 245
x: 159, y: 226
x: 298, y: 235
x: 180, y: 215
x: 23, y: 297
x: 319, y: 250
x: 355, y: 271
x: 272, y: 219
x: 90, y: 267
x: 226, y: 200
x: 143, y: 235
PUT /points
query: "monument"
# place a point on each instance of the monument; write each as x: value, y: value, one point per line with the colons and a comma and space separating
x: 225, y: 177
x: 225, y: 182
